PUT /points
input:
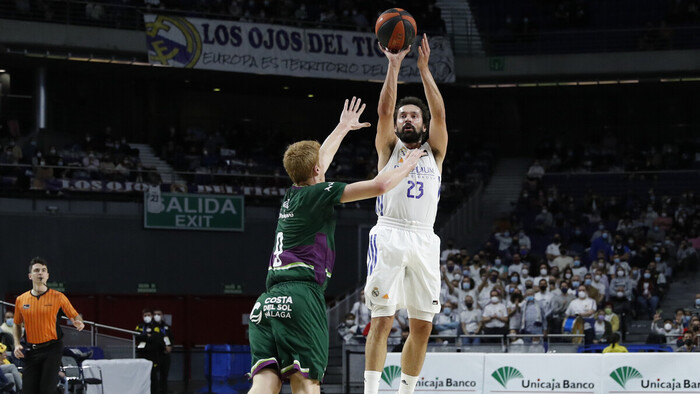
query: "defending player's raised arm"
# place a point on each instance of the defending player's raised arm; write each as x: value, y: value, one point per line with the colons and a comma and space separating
x: 349, y: 120
x: 386, y: 138
x: 438, y: 125
x: 383, y: 182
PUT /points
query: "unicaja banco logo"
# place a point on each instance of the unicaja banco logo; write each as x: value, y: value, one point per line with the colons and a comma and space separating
x: 623, y: 374
x: 390, y: 373
x: 504, y: 374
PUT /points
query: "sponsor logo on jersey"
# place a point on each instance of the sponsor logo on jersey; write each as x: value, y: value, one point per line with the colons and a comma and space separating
x: 330, y: 185
x: 25, y: 306
x: 375, y: 292
x: 255, y: 317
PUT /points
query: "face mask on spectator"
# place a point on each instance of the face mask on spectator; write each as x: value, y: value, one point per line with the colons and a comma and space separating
x: 450, y: 268
x: 689, y: 342
x: 494, y: 300
x: 601, y: 317
x: 605, y: 235
x: 497, y: 261
x: 564, y: 290
x: 525, y: 271
x: 493, y: 279
x: 466, y: 285
x: 608, y: 311
x: 657, y: 259
x: 647, y: 275
x: 567, y: 275
x: 447, y: 310
x: 697, y: 303
x: 575, y: 283
x: 514, y: 279
x: 581, y: 294
x: 668, y: 326
x: 349, y: 322
x: 469, y: 304
x: 597, y: 278
x: 543, y: 272
x: 506, y: 234
x: 10, y: 322
x: 147, y: 319
x: 616, y: 260
x: 543, y: 287
x: 620, y: 294
x: 620, y: 273
x: 577, y: 263
x: 530, y: 298
x: 587, y: 282
x: 157, y: 318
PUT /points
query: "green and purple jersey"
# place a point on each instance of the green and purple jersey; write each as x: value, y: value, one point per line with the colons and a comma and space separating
x: 305, y: 237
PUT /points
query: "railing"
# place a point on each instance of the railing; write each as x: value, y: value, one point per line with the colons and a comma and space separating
x: 625, y: 183
x: 112, y: 346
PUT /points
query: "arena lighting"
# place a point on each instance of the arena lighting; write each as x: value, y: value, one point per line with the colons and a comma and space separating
x: 217, y: 89
x: 2, y: 70
x: 285, y: 87
x: 626, y: 81
x: 310, y: 95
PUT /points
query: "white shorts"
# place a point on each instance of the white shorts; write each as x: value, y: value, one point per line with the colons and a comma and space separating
x: 403, y: 269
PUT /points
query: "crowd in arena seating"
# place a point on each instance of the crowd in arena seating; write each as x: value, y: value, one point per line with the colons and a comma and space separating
x: 612, y: 155
x: 44, y: 166
x: 575, y: 263
x: 345, y: 15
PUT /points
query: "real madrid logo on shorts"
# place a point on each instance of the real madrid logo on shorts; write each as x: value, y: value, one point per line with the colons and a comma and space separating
x: 172, y: 41
x: 375, y: 292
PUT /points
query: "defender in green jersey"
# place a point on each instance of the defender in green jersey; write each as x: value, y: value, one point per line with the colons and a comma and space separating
x: 288, y: 327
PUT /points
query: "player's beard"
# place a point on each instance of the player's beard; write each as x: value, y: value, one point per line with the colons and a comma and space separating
x: 409, y: 135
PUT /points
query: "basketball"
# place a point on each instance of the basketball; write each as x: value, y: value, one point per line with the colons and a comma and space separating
x: 395, y: 29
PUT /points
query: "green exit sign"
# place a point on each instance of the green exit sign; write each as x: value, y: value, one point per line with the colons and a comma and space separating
x: 497, y: 63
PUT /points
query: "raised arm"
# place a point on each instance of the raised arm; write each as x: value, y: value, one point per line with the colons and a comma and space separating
x: 383, y: 182
x: 438, y: 125
x: 349, y: 120
x: 386, y: 139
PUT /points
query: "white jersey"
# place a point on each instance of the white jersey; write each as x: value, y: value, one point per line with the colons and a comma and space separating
x: 416, y: 198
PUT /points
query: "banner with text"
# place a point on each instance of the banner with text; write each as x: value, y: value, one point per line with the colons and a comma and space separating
x: 651, y: 373
x: 192, y: 212
x: 453, y: 372
x: 282, y: 50
x: 542, y: 373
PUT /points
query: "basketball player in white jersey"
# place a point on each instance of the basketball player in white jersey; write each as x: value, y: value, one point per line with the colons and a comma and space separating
x: 403, y: 259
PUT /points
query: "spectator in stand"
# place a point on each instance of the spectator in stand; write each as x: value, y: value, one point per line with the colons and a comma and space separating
x: 582, y: 305
x: 349, y: 330
x: 91, y: 162
x: 543, y: 272
x: 687, y: 257
x: 656, y: 234
x: 446, y: 323
x: 513, y: 302
x: 598, y: 233
x: 523, y: 240
x: 664, y: 222
x: 542, y: 294
x: 578, y: 267
x: 592, y: 290
x: 495, y: 316
x: 8, y: 322
x: 668, y: 330
x: 516, y: 266
x: 449, y: 250
x: 504, y: 240
x: 544, y: 220
x: 647, y: 294
x: 622, y: 306
x: 561, y: 298
x: 611, y: 317
x: 500, y: 267
x: 601, y: 328
x: 533, y: 316
x: 486, y: 287
x: 696, y: 304
x: 600, y: 244
x: 535, y: 172
x: 599, y: 283
x: 680, y: 320
x: 563, y: 261
x: 568, y: 274
x: 361, y: 312
x: 688, y: 344
x: 15, y: 150
x: 619, y: 248
x: 554, y: 249
x: 470, y: 319
x: 9, y: 371
x: 614, y: 346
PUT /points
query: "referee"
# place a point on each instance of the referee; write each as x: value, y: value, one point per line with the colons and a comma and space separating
x: 38, y: 309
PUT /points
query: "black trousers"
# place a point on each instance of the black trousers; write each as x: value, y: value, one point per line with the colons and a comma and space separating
x: 40, y: 374
x: 164, y: 370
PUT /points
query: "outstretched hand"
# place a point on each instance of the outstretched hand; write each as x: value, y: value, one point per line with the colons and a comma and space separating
x: 351, y: 114
x: 423, y: 52
x: 394, y: 57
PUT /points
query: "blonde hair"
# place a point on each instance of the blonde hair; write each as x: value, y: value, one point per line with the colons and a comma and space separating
x: 300, y: 159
